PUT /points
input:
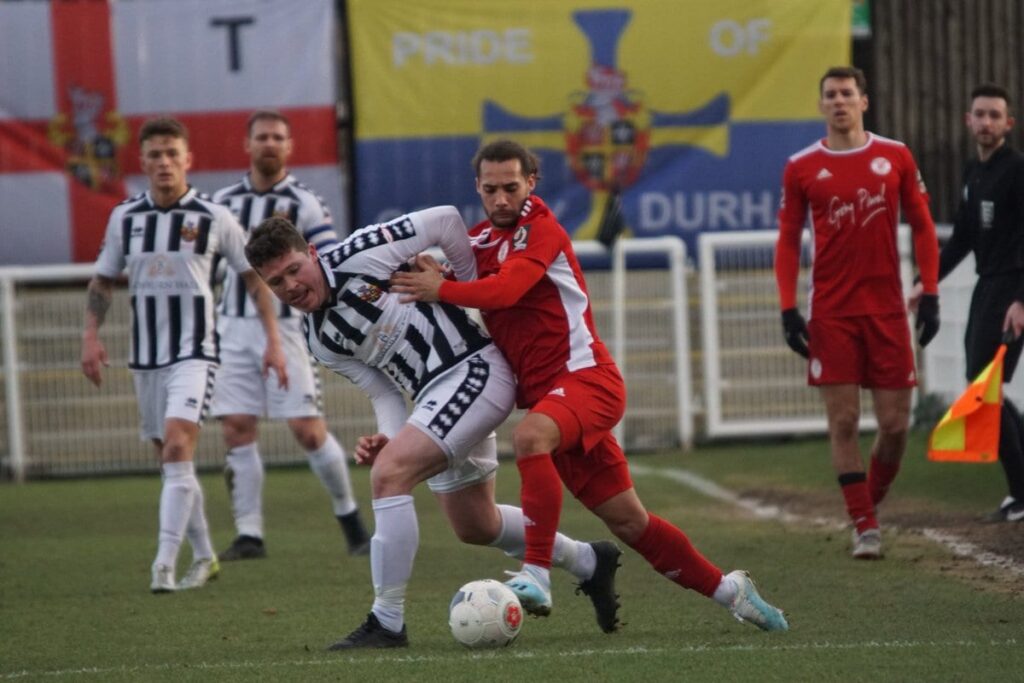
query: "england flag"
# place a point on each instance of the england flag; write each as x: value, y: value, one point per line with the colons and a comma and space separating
x: 78, y: 79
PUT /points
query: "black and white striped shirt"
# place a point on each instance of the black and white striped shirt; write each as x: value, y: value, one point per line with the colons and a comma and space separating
x: 365, y: 333
x: 169, y: 255
x: 289, y: 199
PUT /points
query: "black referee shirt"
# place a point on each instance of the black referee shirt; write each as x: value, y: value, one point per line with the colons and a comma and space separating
x: 990, y: 218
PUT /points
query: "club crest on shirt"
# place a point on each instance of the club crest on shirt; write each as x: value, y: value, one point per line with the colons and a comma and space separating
x: 189, y: 231
x: 881, y: 166
x: 520, y: 238
x: 369, y: 292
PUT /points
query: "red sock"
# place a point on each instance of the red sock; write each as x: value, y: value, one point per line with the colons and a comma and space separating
x: 880, y: 476
x: 672, y: 555
x: 540, y: 493
x: 858, y: 500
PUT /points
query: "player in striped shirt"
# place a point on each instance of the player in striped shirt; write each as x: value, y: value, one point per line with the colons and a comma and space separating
x: 461, y: 387
x: 242, y: 393
x: 853, y: 184
x: 167, y: 239
x: 534, y: 300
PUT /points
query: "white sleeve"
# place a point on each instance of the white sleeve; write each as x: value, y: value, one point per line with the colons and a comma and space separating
x: 387, y: 399
x: 315, y: 222
x: 111, y: 260
x: 380, y: 250
x: 232, y: 240
x: 442, y: 226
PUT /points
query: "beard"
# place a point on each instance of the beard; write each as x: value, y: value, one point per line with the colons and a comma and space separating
x: 503, y: 219
x: 269, y: 165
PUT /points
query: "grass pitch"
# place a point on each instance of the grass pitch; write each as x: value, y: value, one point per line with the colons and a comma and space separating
x: 75, y: 605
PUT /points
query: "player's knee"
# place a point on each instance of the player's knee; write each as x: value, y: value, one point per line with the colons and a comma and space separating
x: 176, y: 450
x: 893, y: 429
x: 310, y: 433
x: 529, y: 438
x: 238, y: 430
x: 844, y: 426
x: 391, y: 478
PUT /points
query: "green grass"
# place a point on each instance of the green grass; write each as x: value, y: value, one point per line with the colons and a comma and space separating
x: 74, y: 600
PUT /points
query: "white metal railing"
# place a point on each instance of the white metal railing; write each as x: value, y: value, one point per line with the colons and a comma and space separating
x: 53, y: 416
x: 790, y: 408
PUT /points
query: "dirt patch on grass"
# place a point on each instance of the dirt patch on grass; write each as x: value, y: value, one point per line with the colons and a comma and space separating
x: 908, y: 521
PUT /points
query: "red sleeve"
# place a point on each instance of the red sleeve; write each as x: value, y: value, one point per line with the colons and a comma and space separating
x: 501, y: 290
x: 914, y: 198
x: 792, y: 214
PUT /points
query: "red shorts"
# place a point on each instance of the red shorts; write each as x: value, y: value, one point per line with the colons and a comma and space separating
x: 872, y: 351
x: 586, y: 405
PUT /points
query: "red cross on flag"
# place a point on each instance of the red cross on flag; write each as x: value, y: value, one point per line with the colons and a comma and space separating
x: 79, y: 77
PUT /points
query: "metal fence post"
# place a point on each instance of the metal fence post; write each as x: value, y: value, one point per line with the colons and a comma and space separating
x: 12, y: 385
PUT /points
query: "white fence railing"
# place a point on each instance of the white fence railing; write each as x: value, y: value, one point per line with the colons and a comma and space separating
x: 748, y: 383
x: 54, y: 423
x: 753, y: 383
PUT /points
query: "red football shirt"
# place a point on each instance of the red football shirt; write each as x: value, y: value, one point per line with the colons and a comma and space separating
x: 854, y: 197
x: 533, y: 298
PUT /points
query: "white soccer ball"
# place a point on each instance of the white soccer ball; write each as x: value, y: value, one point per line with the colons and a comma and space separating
x: 485, y: 613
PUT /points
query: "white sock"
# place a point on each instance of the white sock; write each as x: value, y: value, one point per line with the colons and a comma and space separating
x: 247, y: 489
x: 574, y: 556
x: 176, y: 498
x: 392, y: 551
x: 198, y: 531
x: 541, y: 575
x: 328, y: 462
x: 726, y: 591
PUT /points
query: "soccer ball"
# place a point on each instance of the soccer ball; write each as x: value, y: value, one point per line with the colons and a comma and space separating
x: 485, y: 613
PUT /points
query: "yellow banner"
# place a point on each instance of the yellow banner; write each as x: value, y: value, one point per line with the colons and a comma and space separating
x: 424, y: 68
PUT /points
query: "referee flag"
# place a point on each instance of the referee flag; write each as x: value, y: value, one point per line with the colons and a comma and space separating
x: 969, y: 431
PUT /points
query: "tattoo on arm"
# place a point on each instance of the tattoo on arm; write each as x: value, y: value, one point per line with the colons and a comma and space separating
x: 99, y: 300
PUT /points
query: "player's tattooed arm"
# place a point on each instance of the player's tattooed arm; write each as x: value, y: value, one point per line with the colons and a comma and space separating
x: 100, y: 294
x: 94, y: 353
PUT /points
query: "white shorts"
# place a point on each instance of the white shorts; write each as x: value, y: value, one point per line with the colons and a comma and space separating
x: 241, y: 388
x: 178, y: 391
x: 460, y: 411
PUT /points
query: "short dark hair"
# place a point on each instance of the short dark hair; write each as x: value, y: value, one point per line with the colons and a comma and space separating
x: 272, y: 238
x: 991, y: 90
x: 267, y: 115
x: 163, y: 125
x: 506, y: 150
x: 845, y: 72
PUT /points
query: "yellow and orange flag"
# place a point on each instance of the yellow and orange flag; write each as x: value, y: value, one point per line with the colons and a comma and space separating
x: 969, y: 431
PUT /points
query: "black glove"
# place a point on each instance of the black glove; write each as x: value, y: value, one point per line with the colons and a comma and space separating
x: 927, y: 318
x: 794, y: 327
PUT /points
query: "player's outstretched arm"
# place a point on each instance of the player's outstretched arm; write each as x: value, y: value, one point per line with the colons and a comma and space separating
x: 94, y: 354
x: 273, y: 355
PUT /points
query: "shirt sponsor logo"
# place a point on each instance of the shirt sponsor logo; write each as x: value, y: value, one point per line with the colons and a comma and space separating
x: 160, y: 267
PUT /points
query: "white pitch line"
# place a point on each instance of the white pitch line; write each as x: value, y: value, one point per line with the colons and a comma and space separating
x: 514, y: 654
x: 954, y: 544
